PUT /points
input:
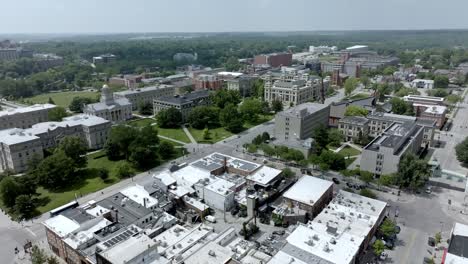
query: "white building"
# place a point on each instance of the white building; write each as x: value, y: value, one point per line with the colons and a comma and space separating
x: 114, y: 110
x: 25, y: 117
x: 219, y: 194
x: 457, y: 252
x: 322, y: 49
x: 264, y: 177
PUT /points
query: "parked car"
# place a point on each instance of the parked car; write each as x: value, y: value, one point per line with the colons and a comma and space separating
x: 431, y: 241
x: 210, y: 218
x: 383, y: 256
x: 397, y: 229
x: 335, y: 180
x: 397, y: 212
x: 279, y: 232
x: 429, y: 190
x: 234, y: 211
x: 390, y: 244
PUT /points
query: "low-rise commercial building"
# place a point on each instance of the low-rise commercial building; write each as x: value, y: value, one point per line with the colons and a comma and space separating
x: 436, y: 113
x: 25, y: 117
x: 145, y: 95
x: 115, y: 110
x: 457, y: 251
x: 338, y: 235
x: 208, y: 82
x: 129, y: 80
x: 243, y: 84
x: 427, y: 100
x: 184, y: 103
x: 420, y: 83
x: 273, y: 60
x: 18, y: 146
x: 104, y: 59
x: 299, y: 122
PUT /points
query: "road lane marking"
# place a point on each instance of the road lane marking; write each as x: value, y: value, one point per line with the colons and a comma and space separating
x: 409, y: 247
x: 30, y: 231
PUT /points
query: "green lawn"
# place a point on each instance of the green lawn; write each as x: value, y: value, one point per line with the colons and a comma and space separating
x: 349, y: 161
x: 174, y: 133
x: 359, y: 96
x: 90, y: 183
x: 61, y: 98
x: 330, y: 147
x: 217, y: 134
x: 262, y: 119
x: 349, y: 151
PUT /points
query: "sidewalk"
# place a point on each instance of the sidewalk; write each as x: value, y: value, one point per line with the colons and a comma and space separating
x: 189, y: 135
x: 173, y: 140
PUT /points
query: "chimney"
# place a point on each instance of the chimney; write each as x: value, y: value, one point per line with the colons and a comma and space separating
x: 116, y: 215
x: 144, y: 202
x: 225, y: 164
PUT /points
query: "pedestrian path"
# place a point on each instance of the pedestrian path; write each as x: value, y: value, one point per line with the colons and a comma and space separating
x: 189, y: 135
x: 173, y: 140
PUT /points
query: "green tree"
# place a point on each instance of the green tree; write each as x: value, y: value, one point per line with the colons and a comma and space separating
x: 441, y: 81
x: 222, y: 98
x: 368, y: 193
x: 365, y: 81
x: 288, y: 173
x: 166, y: 150
x: 277, y: 106
x: 366, y: 176
x: 453, y: 99
x: 57, y: 114
x: 169, y: 118
x: 143, y: 157
x: 389, y: 70
x: 24, y: 206
x: 438, y: 237
x: 74, y: 148
x: 438, y: 92
x: 412, y: 172
x: 204, y: 116
x: 399, y: 106
x: 386, y: 180
x: 118, y: 142
x: 250, y: 109
x: 355, y: 110
x: 38, y: 256
x: 145, y: 108
x: 378, y: 247
x: 461, y: 150
x: 232, y: 64
x: 268, y: 150
x: 123, y: 170
x: 230, y: 119
x: 258, y: 88
x: 56, y: 171
x: 103, y: 173
x: 335, y: 137
x: 350, y: 85
x: 206, y: 134
x: 76, y: 105
x: 265, y: 136
x: 388, y: 228
x: 9, y: 190
x: 332, y: 160
x: 320, y: 135
x: 50, y: 101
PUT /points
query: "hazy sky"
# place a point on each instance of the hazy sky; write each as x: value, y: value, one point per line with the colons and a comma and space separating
x: 102, y: 16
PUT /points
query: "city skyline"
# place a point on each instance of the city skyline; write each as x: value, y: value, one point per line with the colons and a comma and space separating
x: 228, y: 16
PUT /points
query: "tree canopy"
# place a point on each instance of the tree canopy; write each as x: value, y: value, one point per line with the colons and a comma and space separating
x: 169, y: 118
x: 412, y: 172
x: 356, y: 110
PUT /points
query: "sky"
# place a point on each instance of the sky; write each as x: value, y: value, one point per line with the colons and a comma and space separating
x: 126, y: 16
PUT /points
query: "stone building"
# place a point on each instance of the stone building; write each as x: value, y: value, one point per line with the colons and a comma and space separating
x: 184, y: 103
x: 18, y: 146
x: 145, y: 95
x: 25, y: 117
x: 354, y: 127
x: 114, y: 110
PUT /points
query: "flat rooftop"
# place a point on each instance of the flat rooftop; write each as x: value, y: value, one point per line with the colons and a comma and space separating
x: 139, y: 195
x: 27, y: 109
x: 220, y: 186
x: 423, y: 98
x: 459, y: 242
x: 14, y: 136
x: 303, y: 109
x: 61, y: 225
x: 308, y: 190
x: 184, y: 99
x: 216, y: 161
x: 210, y: 253
x: 144, y: 90
x: 264, y: 175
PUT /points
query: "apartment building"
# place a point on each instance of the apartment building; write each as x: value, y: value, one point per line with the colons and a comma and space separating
x: 18, y: 146
x: 273, y: 60
x: 145, y: 95
x: 243, y: 84
x: 25, y: 117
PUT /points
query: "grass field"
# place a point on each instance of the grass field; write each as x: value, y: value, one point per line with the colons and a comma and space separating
x: 174, y: 133
x: 349, y: 161
x: 62, y: 99
x: 91, y: 182
x: 261, y: 119
x: 349, y: 151
x: 216, y: 134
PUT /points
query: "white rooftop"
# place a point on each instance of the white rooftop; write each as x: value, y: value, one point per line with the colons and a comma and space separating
x: 210, y: 253
x: 71, y: 121
x: 460, y: 230
x: 357, y: 47
x: 26, y: 109
x: 308, y: 190
x: 283, y: 257
x: 235, y: 74
x: 412, y: 97
x: 85, y: 235
x: 424, y: 81
x: 433, y: 109
x: 189, y: 175
x: 16, y: 136
x: 454, y: 259
x: 97, y: 210
x: 61, y: 225
x: 138, y: 194
x: 220, y: 186
x: 264, y: 175
x: 165, y: 177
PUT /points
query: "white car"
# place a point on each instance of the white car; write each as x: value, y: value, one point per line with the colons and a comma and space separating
x: 383, y: 256
x: 429, y: 190
x: 210, y: 218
